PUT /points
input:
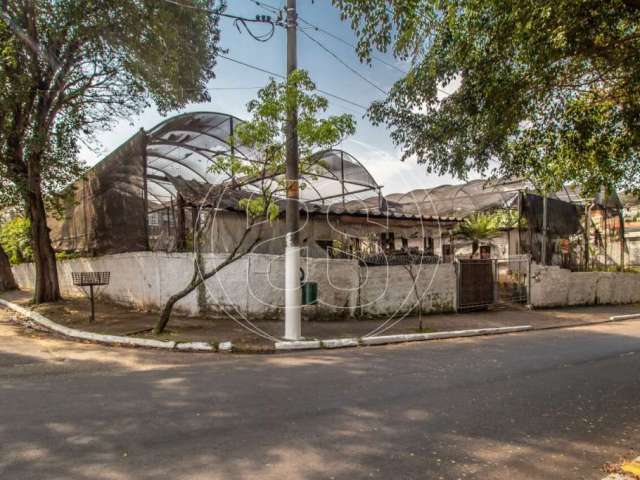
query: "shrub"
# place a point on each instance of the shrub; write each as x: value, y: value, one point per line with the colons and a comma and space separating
x: 15, y: 237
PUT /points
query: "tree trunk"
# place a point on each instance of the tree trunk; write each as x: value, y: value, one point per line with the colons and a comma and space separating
x: 475, y: 245
x: 47, y: 287
x: 165, y: 315
x: 7, y: 282
x: 196, y: 280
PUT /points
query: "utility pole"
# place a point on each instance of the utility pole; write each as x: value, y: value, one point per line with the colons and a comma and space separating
x: 292, y: 301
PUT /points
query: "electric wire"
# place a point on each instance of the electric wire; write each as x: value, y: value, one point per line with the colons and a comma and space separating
x: 268, y: 72
x: 237, y: 20
x: 352, y: 45
x: 345, y: 64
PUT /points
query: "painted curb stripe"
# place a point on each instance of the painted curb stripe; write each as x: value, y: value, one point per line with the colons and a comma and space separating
x: 625, y: 317
x: 386, y: 339
x: 298, y: 345
x: 109, y: 339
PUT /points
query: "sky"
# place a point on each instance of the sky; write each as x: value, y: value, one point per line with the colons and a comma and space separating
x: 235, y: 85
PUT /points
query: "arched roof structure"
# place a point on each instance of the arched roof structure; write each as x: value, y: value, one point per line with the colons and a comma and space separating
x: 184, y: 146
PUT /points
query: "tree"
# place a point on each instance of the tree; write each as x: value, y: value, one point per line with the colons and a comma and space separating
x: 69, y: 68
x: 15, y: 239
x: 548, y: 89
x: 7, y: 282
x: 264, y: 134
x: 477, y: 227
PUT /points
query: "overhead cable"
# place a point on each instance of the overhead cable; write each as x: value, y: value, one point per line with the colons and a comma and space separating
x: 268, y: 72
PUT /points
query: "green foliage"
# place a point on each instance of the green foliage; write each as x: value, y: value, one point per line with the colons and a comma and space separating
x: 506, y: 218
x: 67, y: 255
x: 477, y: 227
x: 70, y: 68
x: 549, y: 89
x: 15, y: 237
x: 265, y: 133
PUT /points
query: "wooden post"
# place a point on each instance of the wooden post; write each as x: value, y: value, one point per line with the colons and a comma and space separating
x: 93, y: 309
x: 181, y: 236
x: 606, y: 249
x: 519, y: 249
x: 145, y: 189
x: 587, y: 225
x: 622, y: 242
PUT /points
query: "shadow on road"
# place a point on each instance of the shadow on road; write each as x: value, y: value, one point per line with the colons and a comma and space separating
x: 541, y: 405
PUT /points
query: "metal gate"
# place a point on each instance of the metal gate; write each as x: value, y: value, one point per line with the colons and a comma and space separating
x: 512, y: 279
x: 475, y: 283
x: 486, y: 282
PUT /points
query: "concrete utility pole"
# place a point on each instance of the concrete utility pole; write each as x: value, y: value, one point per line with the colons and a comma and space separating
x: 292, y: 301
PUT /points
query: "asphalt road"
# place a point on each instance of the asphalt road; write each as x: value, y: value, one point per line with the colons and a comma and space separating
x: 540, y: 405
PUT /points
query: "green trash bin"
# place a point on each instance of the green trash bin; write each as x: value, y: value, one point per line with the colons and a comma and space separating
x: 309, y: 293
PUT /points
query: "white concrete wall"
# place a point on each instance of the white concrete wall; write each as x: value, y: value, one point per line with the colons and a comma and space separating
x: 253, y: 285
x: 554, y: 286
x: 389, y: 290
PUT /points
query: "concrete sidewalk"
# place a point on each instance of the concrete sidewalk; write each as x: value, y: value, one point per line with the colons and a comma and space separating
x: 117, y: 320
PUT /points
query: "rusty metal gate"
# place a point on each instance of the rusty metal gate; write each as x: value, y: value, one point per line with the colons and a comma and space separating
x: 475, y: 283
x: 486, y: 282
x: 512, y: 279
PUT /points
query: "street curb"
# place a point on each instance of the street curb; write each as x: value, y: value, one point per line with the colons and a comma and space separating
x: 113, y: 339
x: 282, y: 346
x: 387, y: 339
x: 624, y: 317
x: 298, y: 345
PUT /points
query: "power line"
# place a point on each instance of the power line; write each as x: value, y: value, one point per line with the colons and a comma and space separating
x: 268, y: 72
x: 260, y: 69
x: 233, y: 88
x: 352, y: 45
x: 258, y: 18
x: 238, y: 20
x: 267, y: 6
x: 345, y: 64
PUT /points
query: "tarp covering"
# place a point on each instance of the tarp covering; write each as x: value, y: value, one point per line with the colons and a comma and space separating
x: 184, y: 146
x: 136, y: 197
x: 106, y: 210
x: 562, y: 218
x: 563, y: 222
x: 480, y: 195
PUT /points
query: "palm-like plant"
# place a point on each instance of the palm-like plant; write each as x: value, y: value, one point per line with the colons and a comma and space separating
x: 477, y: 227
